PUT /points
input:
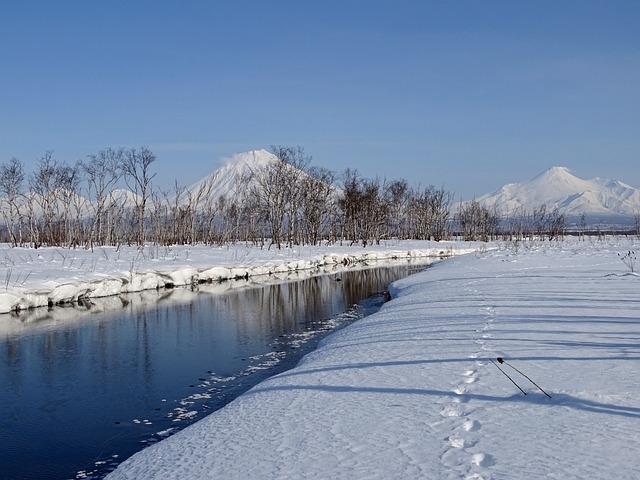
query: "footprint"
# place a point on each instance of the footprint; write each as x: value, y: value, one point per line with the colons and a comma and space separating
x: 461, y: 399
x: 471, y: 425
x: 443, y: 425
x: 470, y: 379
x: 474, y: 476
x: 469, y: 372
x: 450, y: 412
x: 482, y: 460
x: 460, y: 390
x: 457, y: 442
x: 451, y: 458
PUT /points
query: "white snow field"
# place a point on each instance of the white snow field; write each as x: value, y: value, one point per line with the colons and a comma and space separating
x: 411, y: 392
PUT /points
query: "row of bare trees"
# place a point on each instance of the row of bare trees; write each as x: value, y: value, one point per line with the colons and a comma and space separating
x: 77, y: 204
x: 284, y: 202
x: 372, y: 210
x: 476, y: 221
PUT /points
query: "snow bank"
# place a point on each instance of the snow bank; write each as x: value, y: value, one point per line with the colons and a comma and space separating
x: 411, y: 392
x: 50, y: 276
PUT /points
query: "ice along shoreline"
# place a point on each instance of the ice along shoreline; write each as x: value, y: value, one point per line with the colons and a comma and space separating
x: 54, y: 276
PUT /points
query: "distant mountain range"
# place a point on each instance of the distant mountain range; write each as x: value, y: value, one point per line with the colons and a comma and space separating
x: 600, y: 200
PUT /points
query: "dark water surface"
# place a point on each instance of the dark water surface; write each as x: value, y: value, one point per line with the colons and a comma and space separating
x: 80, y: 391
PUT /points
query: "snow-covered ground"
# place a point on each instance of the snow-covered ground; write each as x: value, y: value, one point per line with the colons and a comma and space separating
x: 412, y: 392
x: 48, y: 276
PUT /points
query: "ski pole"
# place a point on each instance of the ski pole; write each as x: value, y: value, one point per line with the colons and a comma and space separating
x: 502, y: 360
x: 506, y: 375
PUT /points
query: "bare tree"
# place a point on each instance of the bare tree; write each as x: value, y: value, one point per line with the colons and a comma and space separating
x: 399, y: 194
x: 317, y: 188
x: 294, y: 166
x: 162, y: 219
x: 349, y: 204
x: 440, y: 205
x: 375, y: 211
x: 478, y: 222
x: 556, y: 224
x: 278, y: 188
x: 429, y: 212
x: 11, y: 179
x: 272, y: 191
x: 583, y: 225
x: 201, y: 208
x: 540, y: 220
x: 67, y: 184
x: 43, y: 187
x: 181, y: 215
x: 136, y: 167
x: 518, y: 223
x: 240, y: 212
x: 102, y: 172
x: 364, y: 207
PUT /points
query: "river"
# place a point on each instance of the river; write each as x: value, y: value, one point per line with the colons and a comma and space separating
x: 85, y: 387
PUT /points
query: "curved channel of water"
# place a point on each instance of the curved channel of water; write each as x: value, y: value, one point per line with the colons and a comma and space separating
x: 83, y: 390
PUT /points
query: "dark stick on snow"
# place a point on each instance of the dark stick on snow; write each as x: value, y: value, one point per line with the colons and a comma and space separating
x: 502, y: 360
x: 506, y: 375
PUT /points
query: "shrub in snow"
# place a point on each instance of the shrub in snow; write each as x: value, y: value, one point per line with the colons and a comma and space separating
x: 629, y: 259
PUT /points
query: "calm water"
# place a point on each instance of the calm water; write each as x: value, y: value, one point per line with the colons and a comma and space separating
x: 83, y: 388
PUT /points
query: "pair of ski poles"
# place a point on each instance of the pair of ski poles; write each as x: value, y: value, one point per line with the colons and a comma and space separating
x: 502, y: 361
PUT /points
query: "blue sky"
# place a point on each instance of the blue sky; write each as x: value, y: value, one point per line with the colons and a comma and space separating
x: 468, y: 95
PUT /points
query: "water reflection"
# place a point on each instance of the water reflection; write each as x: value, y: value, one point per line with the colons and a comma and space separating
x: 84, y: 387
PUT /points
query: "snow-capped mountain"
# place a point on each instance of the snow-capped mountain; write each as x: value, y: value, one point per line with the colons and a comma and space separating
x: 237, y: 177
x: 230, y: 179
x: 122, y: 196
x: 573, y: 196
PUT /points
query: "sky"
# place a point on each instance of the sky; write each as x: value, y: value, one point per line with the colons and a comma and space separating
x: 463, y: 95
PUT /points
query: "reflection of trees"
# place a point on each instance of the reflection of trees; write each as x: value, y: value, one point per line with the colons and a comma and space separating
x: 292, y: 307
x: 12, y: 360
x: 143, y: 341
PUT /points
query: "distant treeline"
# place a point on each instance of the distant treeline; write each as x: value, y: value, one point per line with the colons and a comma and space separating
x: 286, y: 202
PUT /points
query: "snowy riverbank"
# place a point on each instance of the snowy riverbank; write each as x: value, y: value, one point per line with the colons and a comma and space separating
x: 411, y: 392
x: 50, y: 276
